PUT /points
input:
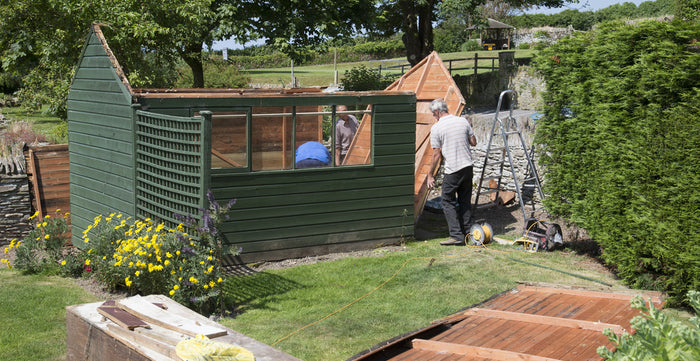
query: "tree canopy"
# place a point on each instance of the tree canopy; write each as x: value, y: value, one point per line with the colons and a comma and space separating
x: 414, y: 18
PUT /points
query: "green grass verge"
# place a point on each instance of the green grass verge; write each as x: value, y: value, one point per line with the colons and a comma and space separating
x: 41, y: 123
x: 323, y: 75
x: 33, y: 315
x: 276, y: 303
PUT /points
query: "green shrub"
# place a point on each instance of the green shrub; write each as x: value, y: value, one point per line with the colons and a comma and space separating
x: 362, y: 78
x: 524, y: 46
x: 148, y: 258
x: 540, y: 45
x: 42, y: 249
x: 621, y: 160
x: 217, y: 74
x: 471, y: 45
x: 657, y: 336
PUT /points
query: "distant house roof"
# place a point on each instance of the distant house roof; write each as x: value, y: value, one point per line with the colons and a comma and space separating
x: 493, y: 24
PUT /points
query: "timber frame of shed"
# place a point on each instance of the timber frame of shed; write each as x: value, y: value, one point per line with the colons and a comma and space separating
x: 152, y: 153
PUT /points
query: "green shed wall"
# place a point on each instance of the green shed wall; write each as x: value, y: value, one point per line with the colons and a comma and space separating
x: 100, y: 140
x: 296, y: 213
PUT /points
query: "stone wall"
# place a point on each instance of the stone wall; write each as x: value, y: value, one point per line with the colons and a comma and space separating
x: 15, y: 207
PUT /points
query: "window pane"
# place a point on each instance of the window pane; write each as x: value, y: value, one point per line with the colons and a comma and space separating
x: 311, y: 149
x: 271, y: 146
x: 360, y: 147
x: 228, y: 139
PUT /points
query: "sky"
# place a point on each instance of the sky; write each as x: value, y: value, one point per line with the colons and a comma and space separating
x: 583, y: 5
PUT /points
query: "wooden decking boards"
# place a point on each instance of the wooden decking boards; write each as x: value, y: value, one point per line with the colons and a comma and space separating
x: 525, y: 323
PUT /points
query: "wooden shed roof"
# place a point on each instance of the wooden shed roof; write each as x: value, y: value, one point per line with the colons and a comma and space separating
x: 525, y: 323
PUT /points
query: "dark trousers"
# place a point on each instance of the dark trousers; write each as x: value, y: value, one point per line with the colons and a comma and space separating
x: 457, y: 201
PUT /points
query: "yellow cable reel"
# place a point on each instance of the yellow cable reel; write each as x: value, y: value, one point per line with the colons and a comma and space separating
x: 480, y: 234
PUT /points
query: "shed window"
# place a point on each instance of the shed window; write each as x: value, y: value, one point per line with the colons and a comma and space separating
x: 277, y: 133
x: 229, y: 139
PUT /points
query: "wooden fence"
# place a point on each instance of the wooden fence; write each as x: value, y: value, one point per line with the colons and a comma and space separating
x: 476, y: 62
x: 49, y: 179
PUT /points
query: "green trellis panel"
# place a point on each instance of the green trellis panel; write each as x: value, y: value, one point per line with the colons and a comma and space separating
x: 172, y: 165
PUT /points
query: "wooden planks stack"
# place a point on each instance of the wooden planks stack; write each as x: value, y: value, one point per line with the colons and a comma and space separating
x: 146, y: 328
x: 527, y: 323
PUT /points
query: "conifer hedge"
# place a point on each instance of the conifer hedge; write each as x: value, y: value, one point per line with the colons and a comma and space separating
x: 621, y: 146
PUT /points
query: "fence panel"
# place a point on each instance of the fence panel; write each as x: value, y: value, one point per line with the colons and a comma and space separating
x: 172, y: 165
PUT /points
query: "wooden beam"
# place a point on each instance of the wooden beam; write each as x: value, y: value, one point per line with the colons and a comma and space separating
x: 475, y: 351
x: 137, y: 306
x: 593, y: 294
x: 223, y: 157
x: 544, y: 320
x: 35, y: 184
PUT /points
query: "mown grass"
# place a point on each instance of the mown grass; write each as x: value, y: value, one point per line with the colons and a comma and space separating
x: 33, y: 315
x: 323, y: 75
x: 41, y: 123
x: 431, y: 282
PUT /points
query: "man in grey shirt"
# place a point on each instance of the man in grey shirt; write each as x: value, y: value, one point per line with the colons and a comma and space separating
x: 345, y: 129
x: 450, y: 139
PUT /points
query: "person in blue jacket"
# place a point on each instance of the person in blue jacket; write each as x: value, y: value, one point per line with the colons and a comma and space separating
x: 312, y: 154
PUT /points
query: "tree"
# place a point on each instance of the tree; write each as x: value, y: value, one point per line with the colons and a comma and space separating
x: 40, y: 40
x: 415, y: 19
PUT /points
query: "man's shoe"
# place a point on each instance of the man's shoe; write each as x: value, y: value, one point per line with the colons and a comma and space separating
x: 451, y: 242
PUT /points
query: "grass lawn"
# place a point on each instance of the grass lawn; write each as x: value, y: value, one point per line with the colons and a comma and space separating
x: 33, y: 315
x: 323, y: 75
x: 41, y: 123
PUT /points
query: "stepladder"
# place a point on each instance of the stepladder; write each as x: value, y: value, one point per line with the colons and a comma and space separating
x: 505, y: 149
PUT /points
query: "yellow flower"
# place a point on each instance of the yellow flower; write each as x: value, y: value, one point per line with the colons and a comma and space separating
x: 87, y: 240
x: 87, y: 262
x: 46, y: 236
x: 127, y: 281
x: 34, y: 215
x: 172, y: 292
x: 212, y: 284
x: 176, y: 287
x: 209, y: 258
x: 166, y: 262
x: 219, y: 280
x: 47, y: 216
x: 193, y: 280
x: 137, y: 273
x: 205, y: 287
x: 63, y: 263
x: 177, y: 253
x: 58, y: 210
x: 6, y: 250
x: 168, y: 254
x: 44, y: 224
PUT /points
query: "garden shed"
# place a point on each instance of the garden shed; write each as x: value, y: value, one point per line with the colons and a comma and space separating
x: 154, y: 153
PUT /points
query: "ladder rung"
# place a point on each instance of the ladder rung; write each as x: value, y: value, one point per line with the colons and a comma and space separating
x: 490, y: 191
x: 488, y: 164
x: 486, y: 205
x: 529, y: 179
x: 491, y: 177
x: 496, y: 149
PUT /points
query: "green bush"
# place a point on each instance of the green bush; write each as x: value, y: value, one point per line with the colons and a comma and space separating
x: 42, y: 249
x: 471, y: 45
x: 524, y: 46
x: 217, y: 74
x: 362, y: 78
x: 148, y: 258
x: 620, y: 144
x: 657, y: 336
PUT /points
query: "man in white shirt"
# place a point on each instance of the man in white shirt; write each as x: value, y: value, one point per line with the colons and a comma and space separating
x: 450, y: 139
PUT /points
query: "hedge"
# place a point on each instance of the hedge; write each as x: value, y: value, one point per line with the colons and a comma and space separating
x: 620, y: 142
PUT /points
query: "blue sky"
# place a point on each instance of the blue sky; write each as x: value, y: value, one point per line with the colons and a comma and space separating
x: 583, y: 5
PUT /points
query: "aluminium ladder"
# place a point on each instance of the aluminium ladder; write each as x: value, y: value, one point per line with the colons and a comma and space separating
x: 498, y: 152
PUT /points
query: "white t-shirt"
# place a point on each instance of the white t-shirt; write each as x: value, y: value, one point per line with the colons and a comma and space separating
x: 451, y: 134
